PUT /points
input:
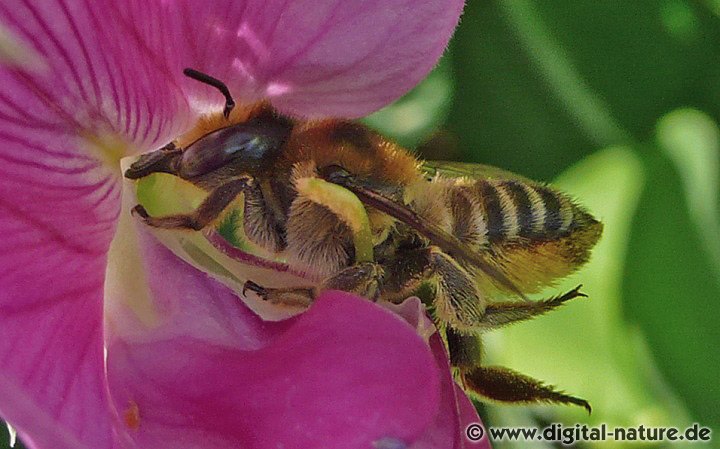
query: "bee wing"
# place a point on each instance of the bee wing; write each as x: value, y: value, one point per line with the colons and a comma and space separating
x: 438, y: 236
x: 449, y: 169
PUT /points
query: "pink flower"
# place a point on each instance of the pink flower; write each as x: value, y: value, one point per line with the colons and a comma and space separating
x: 188, y: 365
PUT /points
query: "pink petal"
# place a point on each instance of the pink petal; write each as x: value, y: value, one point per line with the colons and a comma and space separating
x: 95, y: 79
x: 209, y: 373
x: 311, y: 57
x: 51, y: 290
x: 58, y: 207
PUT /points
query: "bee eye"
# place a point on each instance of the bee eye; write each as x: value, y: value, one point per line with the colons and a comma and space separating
x: 247, y: 145
x: 334, y: 173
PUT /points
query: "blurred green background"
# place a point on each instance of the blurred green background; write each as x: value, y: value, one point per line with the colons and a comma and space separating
x: 617, y: 103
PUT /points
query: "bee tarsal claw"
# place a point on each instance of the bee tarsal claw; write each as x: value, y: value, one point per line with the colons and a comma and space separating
x: 255, y: 288
x: 572, y: 294
x: 139, y: 211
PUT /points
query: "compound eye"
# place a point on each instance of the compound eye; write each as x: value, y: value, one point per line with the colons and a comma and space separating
x: 247, y: 145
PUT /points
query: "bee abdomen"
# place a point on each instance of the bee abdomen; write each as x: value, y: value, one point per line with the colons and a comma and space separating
x: 496, y: 217
x: 516, y: 209
x: 562, y: 216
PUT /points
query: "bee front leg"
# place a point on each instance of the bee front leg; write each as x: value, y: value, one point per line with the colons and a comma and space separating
x: 208, y: 211
x: 362, y: 279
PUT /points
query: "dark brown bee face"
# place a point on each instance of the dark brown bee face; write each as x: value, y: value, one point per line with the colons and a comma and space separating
x: 248, y: 146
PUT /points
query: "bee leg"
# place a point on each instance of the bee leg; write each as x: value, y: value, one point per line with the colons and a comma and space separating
x: 208, y: 211
x: 503, y: 313
x: 260, y: 224
x: 461, y: 315
x: 505, y: 385
x: 363, y: 279
x: 298, y: 297
x: 457, y: 300
x: 465, y: 350
x: 498, y: 383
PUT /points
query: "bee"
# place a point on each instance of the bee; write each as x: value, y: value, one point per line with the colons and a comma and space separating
x: 480, y: 237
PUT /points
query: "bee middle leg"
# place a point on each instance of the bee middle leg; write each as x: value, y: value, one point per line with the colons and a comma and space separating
x: 500, y: 314
x: 458, y: 301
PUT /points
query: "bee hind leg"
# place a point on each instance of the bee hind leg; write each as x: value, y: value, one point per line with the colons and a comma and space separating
x: 502, y: 313
x: 497, y: 383
x: 505, y: 385
x: 209, y: 210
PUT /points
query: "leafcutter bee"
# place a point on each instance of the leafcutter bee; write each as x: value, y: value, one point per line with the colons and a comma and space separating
x: 480, y: 237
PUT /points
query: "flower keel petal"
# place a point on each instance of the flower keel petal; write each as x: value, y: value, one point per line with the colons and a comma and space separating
x: 344, y: 374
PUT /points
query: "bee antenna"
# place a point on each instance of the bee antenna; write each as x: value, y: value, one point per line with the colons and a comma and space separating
x: 216, y: 83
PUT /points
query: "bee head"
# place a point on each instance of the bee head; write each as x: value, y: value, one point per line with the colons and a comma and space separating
x: 249, y: 146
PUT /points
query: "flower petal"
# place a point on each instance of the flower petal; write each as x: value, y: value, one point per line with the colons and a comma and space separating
x: 52, y: 263
x: 207, y: 372
x: 456, y: 411
x: 90, y: 80
x: 64, y: 122
x: 311, y: 57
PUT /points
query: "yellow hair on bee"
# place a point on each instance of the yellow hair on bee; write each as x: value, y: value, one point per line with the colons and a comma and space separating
x: 380, y: 223
x: 509, y: 211
x: 431, y: 200
x: 531, y: 266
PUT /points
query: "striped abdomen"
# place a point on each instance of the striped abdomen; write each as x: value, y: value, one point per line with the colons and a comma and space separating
x: 530, y: 232
x: 499, y: 211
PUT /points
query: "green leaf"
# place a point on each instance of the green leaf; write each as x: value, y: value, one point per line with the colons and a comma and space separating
x: 672, y: 276
x: 640, y: 58
x: 692, y: 142
x: 543, y: 84
x: 504, y: 113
